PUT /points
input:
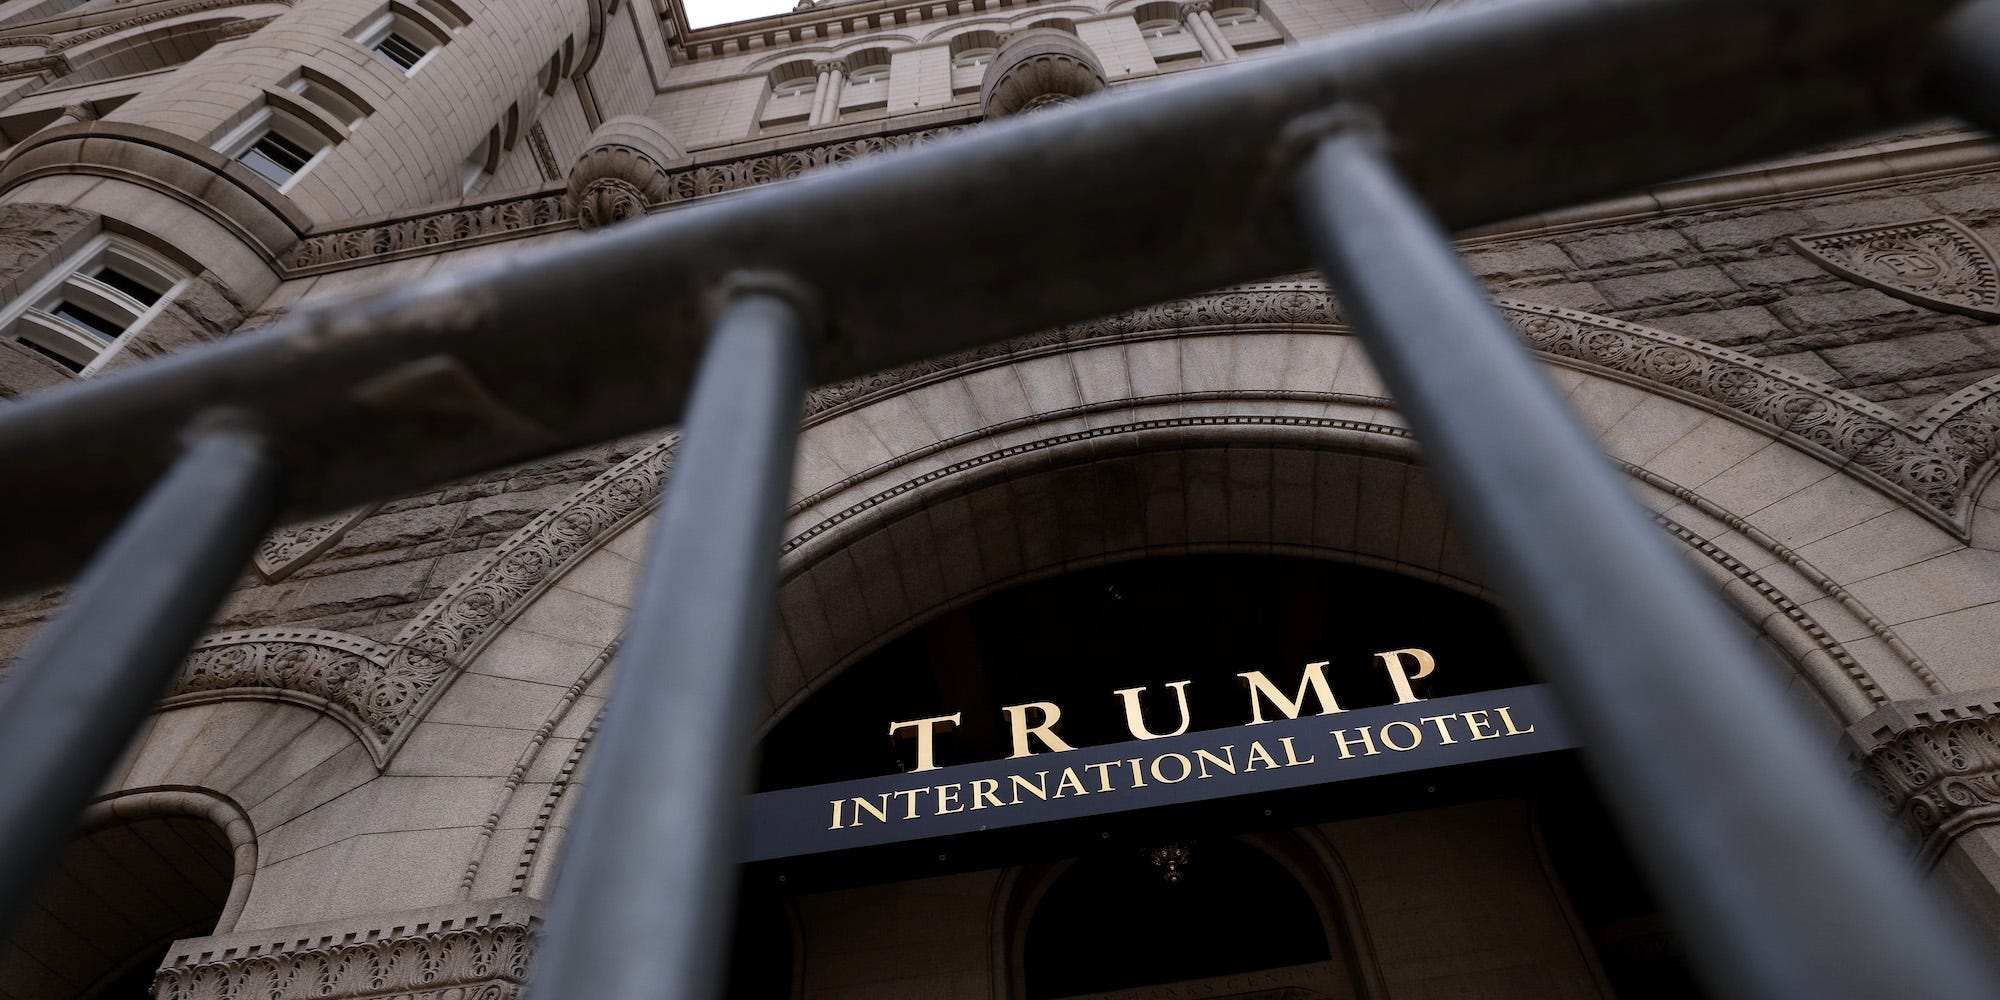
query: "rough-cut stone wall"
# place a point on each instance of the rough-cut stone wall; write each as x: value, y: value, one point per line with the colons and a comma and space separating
x: 385, y: 568
x: 1734, y: 278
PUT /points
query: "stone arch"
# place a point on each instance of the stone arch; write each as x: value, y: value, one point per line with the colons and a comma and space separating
x: 142, y: 870
x: 259, y: 771
x: 935, y: 443
x: 1645, y: 383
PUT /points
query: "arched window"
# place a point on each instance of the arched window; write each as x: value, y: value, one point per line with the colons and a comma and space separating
x: 83, y: 312
x: 1173, y: 913
x: 797, y: 86
x: 1232, y: 16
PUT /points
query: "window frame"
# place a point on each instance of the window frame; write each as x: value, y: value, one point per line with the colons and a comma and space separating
x: 405, y: 28
x: 242, y: 139
x: 33, y: 318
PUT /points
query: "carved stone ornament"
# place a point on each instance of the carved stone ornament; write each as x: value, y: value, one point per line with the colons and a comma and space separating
x: 295, y: 545
x: 1931, y: 464
x: 473, y: 951
x: 621, y: 171
x: 1934, y: 764
x: 1937, y: 263
x: 1036, y: 68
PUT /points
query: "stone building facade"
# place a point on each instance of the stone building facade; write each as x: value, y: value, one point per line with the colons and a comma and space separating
x: 359, y: 783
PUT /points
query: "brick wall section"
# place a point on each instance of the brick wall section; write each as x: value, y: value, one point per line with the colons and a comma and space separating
x: 1733, y: 278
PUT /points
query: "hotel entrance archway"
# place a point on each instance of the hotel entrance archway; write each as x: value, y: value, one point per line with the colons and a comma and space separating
x: 1356, y: 889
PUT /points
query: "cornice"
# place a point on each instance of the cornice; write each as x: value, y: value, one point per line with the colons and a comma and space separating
x: 446, y: 228
x: 821, y: 22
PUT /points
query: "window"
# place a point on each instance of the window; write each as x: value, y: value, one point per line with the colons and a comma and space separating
x: 1237, y: 15
x: 276, y: 146
x: 399, y: 50
x: 402, y: 39
x: 80, y: 315
x: 973, y: 58
x: 1159, y: 29
x: 339, y: 103
x: 795, y: 87
x: 478, y: 164
x: 869, y: 74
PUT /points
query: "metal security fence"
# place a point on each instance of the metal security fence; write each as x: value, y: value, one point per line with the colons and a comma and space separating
x: 1356, y: 154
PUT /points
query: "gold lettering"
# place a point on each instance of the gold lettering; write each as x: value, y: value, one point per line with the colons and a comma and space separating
x: 1187, y: 768
x: 1226, y: 762
x: 1292, y: 754
x: 947, y: 800
x: 1438, y: 721
x: 1138, y: 773
x: 1071, y: 781
x: 986, y: 791
x: 1366, y: 741
x: 1103, y: 774
x: 1400, y: 677
x: 1509, y: 720
x: 863, y: 805
x: 910, y: 800
x: 1314, y: 682
x: 1017, y: 717
x: 926, y: 728
x: 1416, y: 735
x: 1257, y: 753
x: 1477, y: 724
x: 1135, y: 716
x: 1040, y: 787
x: 836, y: 815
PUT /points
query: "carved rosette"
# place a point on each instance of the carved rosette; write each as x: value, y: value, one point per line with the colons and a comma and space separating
x: 1039, y: 68
x: 1934, y: 765
x: 480, y: 959
x: 621, y: 171
x: 1937, y: 263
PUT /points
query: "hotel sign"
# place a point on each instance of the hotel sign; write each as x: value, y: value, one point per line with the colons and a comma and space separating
x: 1059, y: 782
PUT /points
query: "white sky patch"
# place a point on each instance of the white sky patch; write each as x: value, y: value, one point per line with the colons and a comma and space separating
x: 702, y: 13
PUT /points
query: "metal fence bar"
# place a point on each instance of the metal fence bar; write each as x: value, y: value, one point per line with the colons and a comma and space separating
x: 1496, y: 111
x: 69, y: 707
x: 643, y: 903
x: 1787, y: 884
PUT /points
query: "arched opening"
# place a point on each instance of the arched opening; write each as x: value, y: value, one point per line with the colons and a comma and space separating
x: 1175, y: 912
x: 120, y: 895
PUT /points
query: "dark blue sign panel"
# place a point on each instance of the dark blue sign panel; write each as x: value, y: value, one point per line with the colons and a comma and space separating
x: 1090, y: 781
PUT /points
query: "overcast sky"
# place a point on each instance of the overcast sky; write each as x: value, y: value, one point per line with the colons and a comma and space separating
x: 702, y: 13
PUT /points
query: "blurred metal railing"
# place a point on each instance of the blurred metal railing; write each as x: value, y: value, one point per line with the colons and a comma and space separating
x: 1353, y: 153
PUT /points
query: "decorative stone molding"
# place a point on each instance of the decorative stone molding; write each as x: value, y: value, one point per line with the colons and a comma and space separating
x: 514, y: 217
x: 1934, y: 763
x: 621, y: 171
x: 1037, y: 68
x: 1930, y: 465
x: 1936, y: 263
x: 356, y: 681
x: 470, y: 951
x: 292, y: 546
x: 545, y: 154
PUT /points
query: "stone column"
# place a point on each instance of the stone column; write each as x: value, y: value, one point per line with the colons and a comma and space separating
x: 832, y: 76
x: 1200, y: 19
